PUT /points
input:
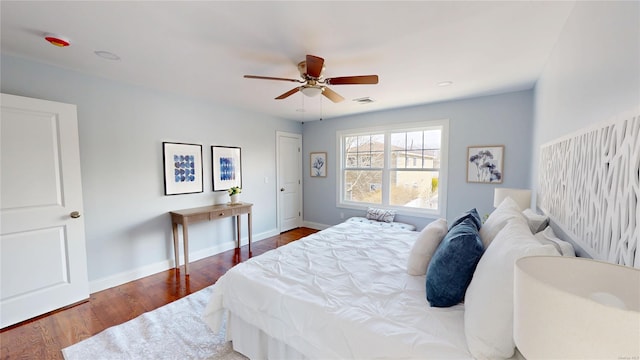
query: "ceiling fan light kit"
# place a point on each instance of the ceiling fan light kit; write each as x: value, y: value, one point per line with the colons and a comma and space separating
x: 311, y: 91
x: 311, y: 73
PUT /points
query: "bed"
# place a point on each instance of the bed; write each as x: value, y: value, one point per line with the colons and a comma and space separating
x: 345, y: 292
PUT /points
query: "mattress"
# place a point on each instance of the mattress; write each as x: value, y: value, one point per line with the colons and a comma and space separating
x: 341, y: 293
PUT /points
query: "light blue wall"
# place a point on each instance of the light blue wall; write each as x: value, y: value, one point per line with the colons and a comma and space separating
x: 592, y: 74
x: 122, y: 128
x: 491, y: 120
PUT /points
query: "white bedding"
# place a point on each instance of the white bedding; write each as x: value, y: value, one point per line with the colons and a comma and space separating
x: 341, y: 293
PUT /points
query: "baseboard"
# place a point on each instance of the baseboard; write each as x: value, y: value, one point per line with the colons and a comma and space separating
x: 164, y: 265
x: 316, y: 226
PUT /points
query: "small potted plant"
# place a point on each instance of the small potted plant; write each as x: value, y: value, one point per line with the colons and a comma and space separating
x: 234, y: 192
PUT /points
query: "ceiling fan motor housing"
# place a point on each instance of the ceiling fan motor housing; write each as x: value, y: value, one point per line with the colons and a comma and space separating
x: 302, y: 68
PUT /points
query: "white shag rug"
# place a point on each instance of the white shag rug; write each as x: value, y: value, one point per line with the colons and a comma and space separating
x: 173, y: 331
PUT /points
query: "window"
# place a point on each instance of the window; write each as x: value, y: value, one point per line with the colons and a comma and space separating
x: 399, y: 166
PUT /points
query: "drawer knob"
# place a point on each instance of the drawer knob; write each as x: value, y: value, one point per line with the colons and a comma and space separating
x: 221, y: 214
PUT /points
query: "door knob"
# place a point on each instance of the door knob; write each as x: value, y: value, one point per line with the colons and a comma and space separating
x: 281, y: 189
x: 74, y: 214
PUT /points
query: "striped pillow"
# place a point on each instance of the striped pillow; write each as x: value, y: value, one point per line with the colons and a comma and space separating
x: 381, y: 214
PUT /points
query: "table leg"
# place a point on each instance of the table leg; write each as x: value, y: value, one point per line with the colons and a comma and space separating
x: 238, y: 232
x: 250, y: 231
x: 185, y: 238
x: 175, y: 245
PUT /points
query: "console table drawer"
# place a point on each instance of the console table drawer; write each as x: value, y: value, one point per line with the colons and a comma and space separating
x: 197, y: 217
x: 240, y: 211
x: 221, y: 213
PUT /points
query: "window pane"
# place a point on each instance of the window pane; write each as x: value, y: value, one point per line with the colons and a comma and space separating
x: 350, y: 144
x: 418, y: 189
x: 363, y: 186
x: 377, y: 159
x: 432, y: 158
x: 398, y: 159
x: 399, y: 140
x: 414, y: 140
x: 364, y: 151
x: 432, y: 139
x: 364, y: 160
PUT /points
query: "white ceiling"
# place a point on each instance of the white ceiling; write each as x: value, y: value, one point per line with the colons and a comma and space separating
x: 203, y: 49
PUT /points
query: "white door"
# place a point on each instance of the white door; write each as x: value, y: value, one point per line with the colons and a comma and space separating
x: 42, y: 244
x: 289, y: 180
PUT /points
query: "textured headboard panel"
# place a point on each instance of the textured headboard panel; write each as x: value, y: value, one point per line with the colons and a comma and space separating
x: 589, y: 185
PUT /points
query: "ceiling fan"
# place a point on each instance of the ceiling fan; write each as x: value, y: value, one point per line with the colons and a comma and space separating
x: 314, y: 84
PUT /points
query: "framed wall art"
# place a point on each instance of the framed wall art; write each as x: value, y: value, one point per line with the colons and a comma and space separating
x: 318, y: 164
x: 484, y: 164
x: 226, y: 167
x: 182, y: 168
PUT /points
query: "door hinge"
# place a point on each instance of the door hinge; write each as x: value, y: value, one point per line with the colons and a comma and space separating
x: 298, y: 181
x: 298, y: 149
x: 299, y: 213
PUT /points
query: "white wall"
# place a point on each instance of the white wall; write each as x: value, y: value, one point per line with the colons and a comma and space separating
x: 491, y: 120
x: 592, y: 74
x: 122, y: 128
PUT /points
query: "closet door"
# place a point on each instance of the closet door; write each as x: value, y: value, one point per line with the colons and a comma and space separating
x: 289, y: 159
x: 42, y: 241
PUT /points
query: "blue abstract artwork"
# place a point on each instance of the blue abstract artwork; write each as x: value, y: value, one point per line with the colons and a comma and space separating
x: 227, y: 168
x: 184, y: 168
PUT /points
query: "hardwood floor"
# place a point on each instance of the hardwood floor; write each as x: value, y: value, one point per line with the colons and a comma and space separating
x: 44, y: 336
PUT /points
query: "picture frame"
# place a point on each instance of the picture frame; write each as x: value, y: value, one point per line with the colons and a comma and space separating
x: 318, y: 164
x: 182, y: 168
x: 226, y: 167
x: 485, y: 164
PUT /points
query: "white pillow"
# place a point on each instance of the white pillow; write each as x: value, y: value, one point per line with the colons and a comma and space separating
x: 547, y: 236
x: 488, y: 315
x: 424, y: 247
x: 507, y: 210
x: 536, y: 222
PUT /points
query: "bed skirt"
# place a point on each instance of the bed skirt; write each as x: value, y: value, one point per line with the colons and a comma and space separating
x: 256, y: 344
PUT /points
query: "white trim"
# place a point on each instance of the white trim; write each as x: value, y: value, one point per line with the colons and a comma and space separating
x: 316, y: 226
x: 443, y: 172
x: 164, y: 265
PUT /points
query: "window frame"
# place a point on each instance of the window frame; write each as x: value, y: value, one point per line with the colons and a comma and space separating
x: 387, y: 130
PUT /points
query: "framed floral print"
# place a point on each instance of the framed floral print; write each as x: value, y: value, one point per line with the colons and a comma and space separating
x: 318, y: 164
x: 484, y: 164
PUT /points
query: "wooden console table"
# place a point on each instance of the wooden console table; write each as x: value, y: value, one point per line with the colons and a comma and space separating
x: 189, y: 216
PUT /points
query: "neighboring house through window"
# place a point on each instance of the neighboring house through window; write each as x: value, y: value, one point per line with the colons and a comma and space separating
x: 396, y: 166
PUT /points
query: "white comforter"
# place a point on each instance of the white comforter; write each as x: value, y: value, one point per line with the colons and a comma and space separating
x: 342, y: 293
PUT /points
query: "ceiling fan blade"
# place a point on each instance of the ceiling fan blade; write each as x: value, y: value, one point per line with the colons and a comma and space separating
x: 288, y: 93
x: 331, y: 95
x: 346, y: 80
x: 271, y: 78
x: 314, y: 66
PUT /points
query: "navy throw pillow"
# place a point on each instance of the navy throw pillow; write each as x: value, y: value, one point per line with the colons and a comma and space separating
x: 452, y: 265
x: 471, y: 214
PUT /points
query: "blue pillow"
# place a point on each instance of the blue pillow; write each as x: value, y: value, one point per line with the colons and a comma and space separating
x: 471, y: 214
x: 452, y: 265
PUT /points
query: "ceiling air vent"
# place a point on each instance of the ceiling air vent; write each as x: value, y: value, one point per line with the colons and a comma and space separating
x: 364, y: 100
